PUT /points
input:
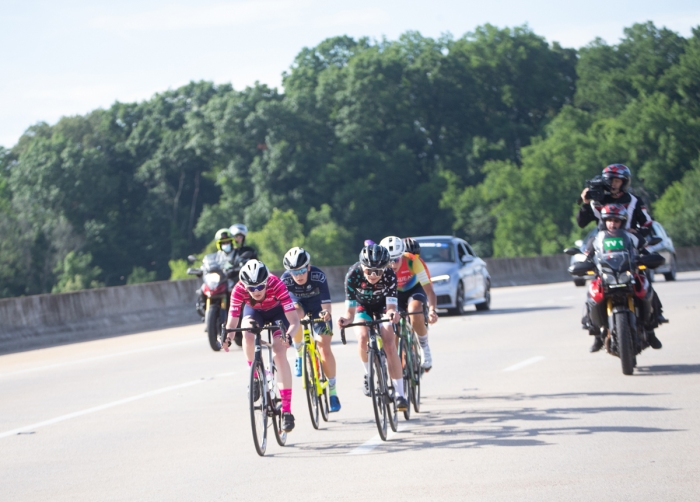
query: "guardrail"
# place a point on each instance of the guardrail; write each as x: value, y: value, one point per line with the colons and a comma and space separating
x: 32, y: 322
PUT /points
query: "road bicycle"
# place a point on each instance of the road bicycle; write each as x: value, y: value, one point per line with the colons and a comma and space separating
x: 263, y: 393
x: 409, y: 355
x: 313, y: 377
x: 380, y: 387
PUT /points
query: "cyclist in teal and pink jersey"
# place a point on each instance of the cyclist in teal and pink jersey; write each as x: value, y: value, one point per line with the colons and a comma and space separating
x: 414, y: 291
x: 265, y: 300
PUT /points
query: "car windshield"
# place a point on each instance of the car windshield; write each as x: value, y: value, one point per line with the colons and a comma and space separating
x: 437, y: 251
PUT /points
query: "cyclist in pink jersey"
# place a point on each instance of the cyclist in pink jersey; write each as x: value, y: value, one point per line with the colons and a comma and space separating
x: 265, y: 300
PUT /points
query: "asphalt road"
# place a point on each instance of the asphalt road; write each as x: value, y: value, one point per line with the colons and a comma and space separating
x: 514, y: 409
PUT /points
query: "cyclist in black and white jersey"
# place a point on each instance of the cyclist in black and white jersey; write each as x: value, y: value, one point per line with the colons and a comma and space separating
x: 370, y: 289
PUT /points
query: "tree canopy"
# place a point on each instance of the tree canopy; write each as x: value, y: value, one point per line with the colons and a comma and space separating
x: 489, y: 136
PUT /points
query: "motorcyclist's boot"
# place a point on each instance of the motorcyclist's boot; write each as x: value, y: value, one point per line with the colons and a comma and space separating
x: 597, y: 345
x: 654, y: 342
x: 661, y: 319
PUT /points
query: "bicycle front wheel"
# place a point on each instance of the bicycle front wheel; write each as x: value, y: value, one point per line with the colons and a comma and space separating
x: 407, y: 368
x: 310, y: 385
x: 377, y: 390
x: 276, y: 409
x: 325, y: 390
x: 257, y: 397
x: 417, y: 372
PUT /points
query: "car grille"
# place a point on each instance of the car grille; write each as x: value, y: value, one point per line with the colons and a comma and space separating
x: 443, y: 299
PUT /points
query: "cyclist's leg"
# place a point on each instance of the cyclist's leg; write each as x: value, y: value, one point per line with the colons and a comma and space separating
x: 250, y: 315
x: 417, y: 300
x: 279, y: 354
x: 298, y: 340
x: 393, y: 362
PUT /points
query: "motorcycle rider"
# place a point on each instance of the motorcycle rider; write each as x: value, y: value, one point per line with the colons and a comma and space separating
x: 233, y: 255
x: 614, y: 218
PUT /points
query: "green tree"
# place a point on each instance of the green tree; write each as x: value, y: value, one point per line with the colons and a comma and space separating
x: 76, y: 273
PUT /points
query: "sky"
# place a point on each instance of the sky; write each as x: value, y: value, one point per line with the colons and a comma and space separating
x: 71, y: 57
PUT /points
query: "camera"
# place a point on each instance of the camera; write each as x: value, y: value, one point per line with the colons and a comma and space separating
x: 598, y: 188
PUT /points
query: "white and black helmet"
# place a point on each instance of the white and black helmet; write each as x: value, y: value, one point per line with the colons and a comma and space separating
x: 254, y: 273
x: 238, y: 229
x: 296, y: 258
x: 395, y: 246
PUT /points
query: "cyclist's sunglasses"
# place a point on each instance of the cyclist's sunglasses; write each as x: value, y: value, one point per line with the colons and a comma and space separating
x: 374, y: 271
x: 254, y: 289
x: 394, y: 261
x: 299, y: 271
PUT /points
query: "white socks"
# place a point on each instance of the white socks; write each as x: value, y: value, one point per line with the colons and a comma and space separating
x: 423, y: 340
x: 398, y: 385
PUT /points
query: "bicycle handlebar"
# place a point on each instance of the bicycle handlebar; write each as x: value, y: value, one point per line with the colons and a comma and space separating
x: 376, y: 322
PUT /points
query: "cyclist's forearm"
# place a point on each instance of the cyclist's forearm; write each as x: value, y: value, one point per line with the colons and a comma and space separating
x: 232, y: 322
x: 432, y: 299
x: 327, y: 307
x: 294, y: 322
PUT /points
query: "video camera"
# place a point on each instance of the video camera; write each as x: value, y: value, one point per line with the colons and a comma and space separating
x: 598, y: 188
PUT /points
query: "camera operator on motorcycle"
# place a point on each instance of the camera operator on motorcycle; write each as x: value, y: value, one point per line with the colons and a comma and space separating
x: 616, y: 179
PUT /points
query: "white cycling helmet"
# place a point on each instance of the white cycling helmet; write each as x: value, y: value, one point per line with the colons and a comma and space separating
x: 254, y: 273
x: 395, y: 246
x: 296, y: 258
x: 238, y: 228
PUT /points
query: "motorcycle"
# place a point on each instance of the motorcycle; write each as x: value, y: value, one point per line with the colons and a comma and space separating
x: 219, y: 276
x: 619, y: 295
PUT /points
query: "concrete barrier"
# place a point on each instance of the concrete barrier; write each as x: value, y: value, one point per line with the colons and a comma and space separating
x: 44, y: 320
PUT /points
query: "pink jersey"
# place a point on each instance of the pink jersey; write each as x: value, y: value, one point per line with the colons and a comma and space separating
x: 275, y: 294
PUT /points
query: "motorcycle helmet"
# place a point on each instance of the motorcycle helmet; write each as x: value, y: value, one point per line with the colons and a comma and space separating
x: 619, y: 171
x: 374, y: 256
x: 223, y: 237
x: 411, y: 246
x: 239, y: 229
x: 296, y: 258
x: 614, y: 211
x: 254, y: 273
x: 394, y: 245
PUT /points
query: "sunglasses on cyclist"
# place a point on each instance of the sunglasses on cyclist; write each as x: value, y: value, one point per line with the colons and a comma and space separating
x: 299, y: 271
x: 394, y: 261
x: 374, y: 271
x: 255, y: 289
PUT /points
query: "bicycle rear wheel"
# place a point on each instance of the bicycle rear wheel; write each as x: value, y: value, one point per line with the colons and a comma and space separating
x: 310, y: 385
x: 417, y: 372
x: 324, y: 397
x: 377, y: 390
x: 280, y: 435
x: 390, y: 398
x: 257, y: 397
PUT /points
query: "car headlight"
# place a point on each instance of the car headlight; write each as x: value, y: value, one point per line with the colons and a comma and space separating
x: 212, y: 279
x: 440, y: 279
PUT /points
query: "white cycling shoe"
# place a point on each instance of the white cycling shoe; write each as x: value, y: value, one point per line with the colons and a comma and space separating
x: 427, y: 358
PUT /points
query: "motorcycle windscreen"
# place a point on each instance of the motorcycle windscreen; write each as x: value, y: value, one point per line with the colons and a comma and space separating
x: 618, y: 261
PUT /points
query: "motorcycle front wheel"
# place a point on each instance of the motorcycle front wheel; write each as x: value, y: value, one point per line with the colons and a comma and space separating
x: 624, y: 342
x: 213, y: 324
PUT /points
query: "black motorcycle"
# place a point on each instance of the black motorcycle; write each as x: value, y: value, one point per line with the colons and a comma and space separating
x: 619, y: 295
x: 219, y: 276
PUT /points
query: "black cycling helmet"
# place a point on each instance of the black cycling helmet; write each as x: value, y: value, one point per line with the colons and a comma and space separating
x: 296, y: 258
x: 374, y: 256
x: 619, y: 171
x: 254, y: 273
x: 411, y: 246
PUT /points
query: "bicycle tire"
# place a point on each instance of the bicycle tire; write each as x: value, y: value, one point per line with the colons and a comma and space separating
x: 310, y: 387
x: 377, y: 390
x: 417, y: 373
x: 276, y: 409
x: 258, y: 407
x: 390, y: 398
x: 407, y: 370
x: 324, y: 397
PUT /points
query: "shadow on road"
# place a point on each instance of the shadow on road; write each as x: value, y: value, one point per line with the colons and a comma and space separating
x: 519, y: 396
x: 670, y: 369
x: 456, y: 427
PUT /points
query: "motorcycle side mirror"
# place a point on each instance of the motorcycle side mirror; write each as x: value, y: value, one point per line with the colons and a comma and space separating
x: 572, y: 251
x: 654, y: 241
x: 651, y: 261
x: 191, y: 258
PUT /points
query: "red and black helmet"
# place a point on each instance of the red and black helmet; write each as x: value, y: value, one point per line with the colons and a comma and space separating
x: 614, y: 211
x: 619, y: 171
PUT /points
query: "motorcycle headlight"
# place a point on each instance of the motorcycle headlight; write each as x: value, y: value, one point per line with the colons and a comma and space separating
x: 212, y: 279
x: 440, y: 279
x: 580, y: 257
x: 609, y: 279
x: 625, y: 278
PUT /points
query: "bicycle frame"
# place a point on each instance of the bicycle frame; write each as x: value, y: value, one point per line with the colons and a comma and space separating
x: 314, y: 376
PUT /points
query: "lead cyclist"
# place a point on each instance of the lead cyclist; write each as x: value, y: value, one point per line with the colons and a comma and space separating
x: 414, y: 291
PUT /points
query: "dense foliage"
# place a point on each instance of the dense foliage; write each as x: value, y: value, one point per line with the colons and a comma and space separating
x: 490, y: 136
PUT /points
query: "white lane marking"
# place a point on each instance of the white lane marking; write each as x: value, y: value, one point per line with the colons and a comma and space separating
x: 99, y: 358
x: 370, y: 445
x: 31, y: 428
x: 526, y: 362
